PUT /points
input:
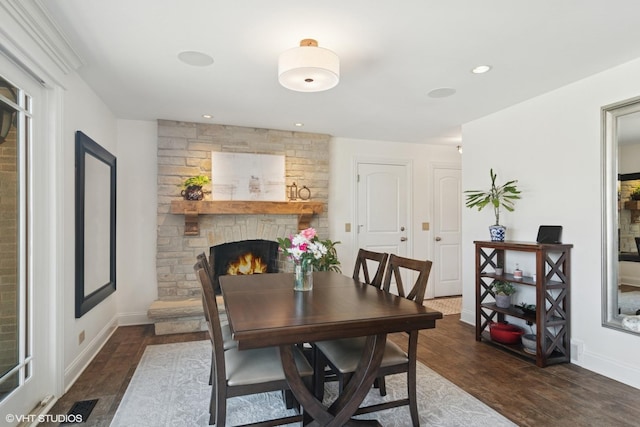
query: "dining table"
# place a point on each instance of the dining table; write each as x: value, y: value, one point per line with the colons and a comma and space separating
x: 263, y: 310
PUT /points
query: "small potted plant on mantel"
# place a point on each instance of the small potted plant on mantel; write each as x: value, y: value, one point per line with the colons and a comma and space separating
x: 192, y: 187
x: 502, y: 291
x: 498, y: 196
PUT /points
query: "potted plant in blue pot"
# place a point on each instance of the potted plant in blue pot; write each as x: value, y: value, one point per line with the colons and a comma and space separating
x: 497, y: 196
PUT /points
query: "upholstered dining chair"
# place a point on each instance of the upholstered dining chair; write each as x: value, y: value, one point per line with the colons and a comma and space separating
x: 227, y: 339
x: 364, y: 260
x: 343, y: 355
x: 241, y: 373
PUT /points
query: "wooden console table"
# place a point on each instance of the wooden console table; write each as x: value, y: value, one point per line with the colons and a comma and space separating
x: 192, y: 209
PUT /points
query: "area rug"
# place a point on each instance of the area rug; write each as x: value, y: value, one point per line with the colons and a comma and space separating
x: 445, y: 305
x: 629, y: 302
x: 170, y: 388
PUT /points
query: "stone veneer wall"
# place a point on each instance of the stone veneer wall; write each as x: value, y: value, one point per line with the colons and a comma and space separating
x: 184, y: 150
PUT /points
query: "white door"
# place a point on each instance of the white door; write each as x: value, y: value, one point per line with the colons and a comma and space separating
x: 28, y: 358
x: 446, y: 277
x: 382, y: 211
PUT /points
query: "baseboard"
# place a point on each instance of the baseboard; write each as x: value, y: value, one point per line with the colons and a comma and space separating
x: 130, y: 319
x: 80, y: 363
x: 468, y: 317
x: 614, y: 369
x: 629, y: 280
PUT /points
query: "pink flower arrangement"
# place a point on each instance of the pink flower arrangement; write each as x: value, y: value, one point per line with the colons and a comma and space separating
x: 303, y: 246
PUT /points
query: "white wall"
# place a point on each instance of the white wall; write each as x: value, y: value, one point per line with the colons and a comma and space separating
x: 137, y: 285
x: 82, y: 110
x: 342, y: 188
x: 551, y: 144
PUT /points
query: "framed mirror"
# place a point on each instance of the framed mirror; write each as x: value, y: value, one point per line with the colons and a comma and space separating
x: 95, y: 224
x: 621, y: 213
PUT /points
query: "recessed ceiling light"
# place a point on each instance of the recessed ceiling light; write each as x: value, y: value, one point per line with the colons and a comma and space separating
x: 197, y: 59
x: 481, y: 69
x: 442, y: 92
x: 207, y: 116
x: 299, y: 125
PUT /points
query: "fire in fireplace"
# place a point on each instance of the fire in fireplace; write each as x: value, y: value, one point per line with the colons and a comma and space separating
x: 243, y: 257
x: 247, y: 264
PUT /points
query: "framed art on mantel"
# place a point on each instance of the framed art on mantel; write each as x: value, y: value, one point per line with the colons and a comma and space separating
x: 242, y: 176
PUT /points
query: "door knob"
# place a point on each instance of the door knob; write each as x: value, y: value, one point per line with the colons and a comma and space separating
x: 403, y: 239
x: 438, y: 239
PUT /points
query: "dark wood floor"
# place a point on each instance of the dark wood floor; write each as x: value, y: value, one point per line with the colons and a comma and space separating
x: 562, y: 395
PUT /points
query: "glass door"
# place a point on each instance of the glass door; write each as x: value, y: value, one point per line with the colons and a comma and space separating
x: 27, y: 327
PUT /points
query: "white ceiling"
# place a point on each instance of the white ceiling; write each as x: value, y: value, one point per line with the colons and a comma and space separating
x: 392, y: 54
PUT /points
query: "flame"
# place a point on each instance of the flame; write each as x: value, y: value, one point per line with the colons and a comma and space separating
x: 247, y: 264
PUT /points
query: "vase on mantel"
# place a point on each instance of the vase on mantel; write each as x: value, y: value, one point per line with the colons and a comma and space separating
x: 302, y: 275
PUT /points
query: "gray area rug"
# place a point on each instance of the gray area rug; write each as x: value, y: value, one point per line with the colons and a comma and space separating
x: 629, y: 302
x: 169, y: 388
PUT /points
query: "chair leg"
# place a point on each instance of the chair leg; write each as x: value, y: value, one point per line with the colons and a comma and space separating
x: 211, y: 370
x: 289, y: 400
x: 382, y: 385
x: 411, y: 379
x: 413, y: 401
x: 343, y: 379
x: 219, y: 415
x: 319, y: 364
x: 212, y: 402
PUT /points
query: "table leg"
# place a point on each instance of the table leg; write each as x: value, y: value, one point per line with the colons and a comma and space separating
x: 354, y: 392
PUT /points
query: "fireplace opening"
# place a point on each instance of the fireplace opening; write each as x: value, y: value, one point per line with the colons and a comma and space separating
x: 243, y: 257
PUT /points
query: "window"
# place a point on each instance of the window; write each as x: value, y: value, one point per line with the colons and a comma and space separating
x: 15, y: 325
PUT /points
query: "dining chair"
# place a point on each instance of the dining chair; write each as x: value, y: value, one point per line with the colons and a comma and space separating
x: 365, y: 259
x: 246, y: 372
x: 227, y: 339
x: 343, y: 355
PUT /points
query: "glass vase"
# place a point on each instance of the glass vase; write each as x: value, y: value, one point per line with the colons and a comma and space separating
x: 303, y: 276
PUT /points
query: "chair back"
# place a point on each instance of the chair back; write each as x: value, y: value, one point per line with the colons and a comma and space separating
x: 394, y: 270
x: 202, y: 258
x: 206, y: 265
x: 362, y: 266
x: 211, y: 310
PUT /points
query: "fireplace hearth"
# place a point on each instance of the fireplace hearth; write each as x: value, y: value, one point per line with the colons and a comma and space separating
x: 243, y: 257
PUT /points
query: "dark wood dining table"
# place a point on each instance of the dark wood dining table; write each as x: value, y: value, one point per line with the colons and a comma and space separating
x: 263, y: 310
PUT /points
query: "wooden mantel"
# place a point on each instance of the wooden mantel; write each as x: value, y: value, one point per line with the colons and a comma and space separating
x: 191, y: 210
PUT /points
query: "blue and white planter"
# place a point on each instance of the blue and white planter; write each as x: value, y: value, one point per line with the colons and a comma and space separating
x: 497, y: 232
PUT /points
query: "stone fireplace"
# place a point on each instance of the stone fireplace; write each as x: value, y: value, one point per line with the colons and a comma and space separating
x: 184, y: 150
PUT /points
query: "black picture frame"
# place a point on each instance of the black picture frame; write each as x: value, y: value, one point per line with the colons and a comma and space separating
x: 95, y: 218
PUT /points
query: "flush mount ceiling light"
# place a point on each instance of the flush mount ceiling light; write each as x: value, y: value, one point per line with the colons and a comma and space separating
x: 308, y: 68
